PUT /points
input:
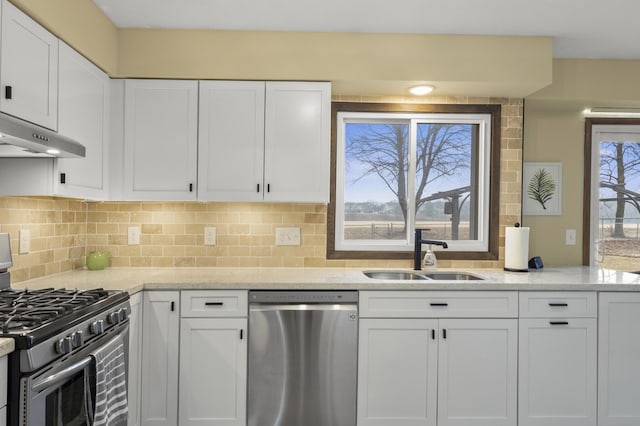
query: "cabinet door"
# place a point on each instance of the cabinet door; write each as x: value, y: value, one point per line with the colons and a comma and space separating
x: 397, y: 367
x: 83, y: 116
x: 213, y: 371
x: 557, y: 366
x: 618, y: 355
x: 297, y: 141
x: 477, y: 372
x: 160, y: 139
x: 160, y: 325
x: 231, y: 141
x: 135, y: 352
x: 28, y: 69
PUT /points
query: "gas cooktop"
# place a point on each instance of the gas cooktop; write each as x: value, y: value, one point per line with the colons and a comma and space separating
x: 32, y: 315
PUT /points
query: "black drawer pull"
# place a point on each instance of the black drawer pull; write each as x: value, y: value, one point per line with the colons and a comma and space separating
x: 213, y: 303
x: 173, y: 306
x: 433, y: 335
x: 559, y: 322
x: 444, y: 333
x: 439, y: 304
x: 241, y: 334
x: 63, y: 178
x: 8, y: 92
x: 558, y: 305
x: 257, y: 187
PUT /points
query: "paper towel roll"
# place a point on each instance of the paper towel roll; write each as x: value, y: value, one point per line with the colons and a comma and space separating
x: 516, y: 249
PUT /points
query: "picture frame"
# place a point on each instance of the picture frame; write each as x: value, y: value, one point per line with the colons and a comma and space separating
x: 541, y: 189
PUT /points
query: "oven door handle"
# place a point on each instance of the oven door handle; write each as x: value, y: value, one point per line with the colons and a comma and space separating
x: 61, y: 375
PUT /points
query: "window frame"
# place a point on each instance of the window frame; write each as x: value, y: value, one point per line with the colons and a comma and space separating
x: 591, y: 178
x: 493, y: 210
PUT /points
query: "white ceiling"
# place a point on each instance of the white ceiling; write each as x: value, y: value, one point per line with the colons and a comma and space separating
x: 580, y: 28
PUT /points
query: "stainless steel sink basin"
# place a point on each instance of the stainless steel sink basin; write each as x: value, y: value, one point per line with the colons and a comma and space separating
x: 422, y: 275
x: 395, y: 275
x: 451, y: 275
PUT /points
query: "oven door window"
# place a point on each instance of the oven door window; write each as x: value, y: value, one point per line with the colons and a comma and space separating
x: 71, y: 403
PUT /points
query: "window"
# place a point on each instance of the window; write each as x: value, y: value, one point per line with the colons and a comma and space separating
x: 402, y: 167
x: 612, y: 153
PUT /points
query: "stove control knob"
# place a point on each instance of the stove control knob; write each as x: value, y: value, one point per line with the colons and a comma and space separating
x: 122, y: 314
x: 113, y: 318
x: 97, y: 327
x: 77, y: 339
x: 64, y: 346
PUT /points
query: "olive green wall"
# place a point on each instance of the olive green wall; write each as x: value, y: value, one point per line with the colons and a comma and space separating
x: 358, y: 64
x: 554, y: 132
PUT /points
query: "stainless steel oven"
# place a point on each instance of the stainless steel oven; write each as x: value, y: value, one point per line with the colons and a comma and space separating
x: 53, y: 373
x: 65, y: 392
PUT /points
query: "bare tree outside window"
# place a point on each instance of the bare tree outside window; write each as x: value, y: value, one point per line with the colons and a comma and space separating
x: 378, y: 153
x: 619, y: 164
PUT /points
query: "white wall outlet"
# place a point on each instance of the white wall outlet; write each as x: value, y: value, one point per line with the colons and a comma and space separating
x: 570, y: 237
x: 25, y: 241
x: 133, y: 235
x: 210, y: 236
x: 287, y: 236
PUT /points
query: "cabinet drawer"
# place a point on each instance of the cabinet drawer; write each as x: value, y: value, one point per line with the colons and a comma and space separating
x: 224, y: 303
x: 558, y: 304
x: 438, y: 304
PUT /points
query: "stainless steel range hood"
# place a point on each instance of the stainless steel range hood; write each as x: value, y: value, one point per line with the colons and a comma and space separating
x: 23, y: 139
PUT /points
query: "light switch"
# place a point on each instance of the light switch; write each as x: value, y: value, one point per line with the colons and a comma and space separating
x: 25, y: 241
x: 133, y: 235
x: 570, y: 237
x: 210, y: 236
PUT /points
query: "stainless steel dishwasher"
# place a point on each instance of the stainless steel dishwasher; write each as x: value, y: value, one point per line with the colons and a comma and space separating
x: 302, y: 358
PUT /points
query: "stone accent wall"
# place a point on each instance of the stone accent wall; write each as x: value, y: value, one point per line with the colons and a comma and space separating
x: 64, y: 230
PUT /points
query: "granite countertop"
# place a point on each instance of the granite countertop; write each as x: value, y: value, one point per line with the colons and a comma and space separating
x: 136, y: 279
x: 6, y: 346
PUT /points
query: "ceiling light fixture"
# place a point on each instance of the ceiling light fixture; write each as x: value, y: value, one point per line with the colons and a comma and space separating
x: 611, y: 112
x: 421, y: 90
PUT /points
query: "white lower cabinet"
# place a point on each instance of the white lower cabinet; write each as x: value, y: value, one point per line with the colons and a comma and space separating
x: 135, y: 359
x: 213, y: 358
x: 437, y: 371
x: 213, y: 371
x: 478, y: 372
x: 557, y: 359
x: 557, y: 372
x: 397, y: 372
x: 160, y: 340
x: 619, y: 359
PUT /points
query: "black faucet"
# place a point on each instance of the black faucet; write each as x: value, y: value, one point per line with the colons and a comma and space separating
x: 417, y: 251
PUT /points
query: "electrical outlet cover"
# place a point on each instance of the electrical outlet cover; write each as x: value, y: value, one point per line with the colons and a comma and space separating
x: 133, y: 235
x: 287, y: 236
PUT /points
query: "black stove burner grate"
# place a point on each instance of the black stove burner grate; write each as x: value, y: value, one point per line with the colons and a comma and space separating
x: 22, y: 310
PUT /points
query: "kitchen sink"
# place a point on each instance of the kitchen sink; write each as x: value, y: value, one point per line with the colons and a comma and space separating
x: 395, y: 275
x: 422, y: 275
x: 448, y: 275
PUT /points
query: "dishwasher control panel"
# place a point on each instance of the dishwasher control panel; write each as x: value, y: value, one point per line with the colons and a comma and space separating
x: 303, y: 296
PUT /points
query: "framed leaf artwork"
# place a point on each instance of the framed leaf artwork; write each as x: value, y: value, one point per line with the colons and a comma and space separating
x: 542, y: 189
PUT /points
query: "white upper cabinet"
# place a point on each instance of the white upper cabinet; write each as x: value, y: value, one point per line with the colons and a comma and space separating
x: 83, y: 116
x: 231, y: 140
x: 160, y: 139
x: 264, y: 141
x: 297, y: 141
x: 28, y: 69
